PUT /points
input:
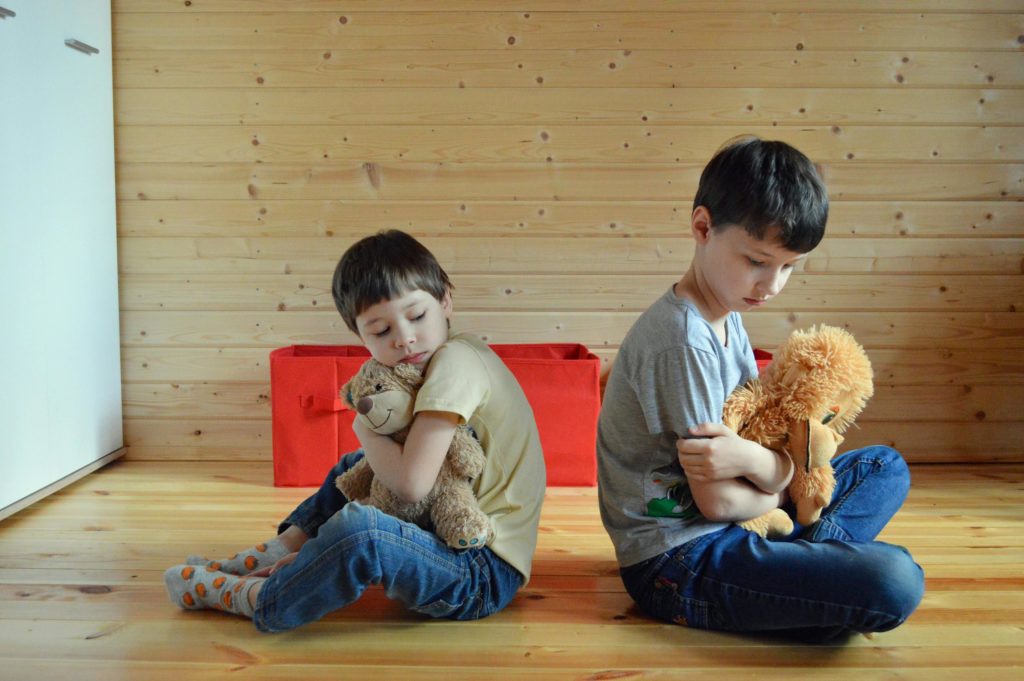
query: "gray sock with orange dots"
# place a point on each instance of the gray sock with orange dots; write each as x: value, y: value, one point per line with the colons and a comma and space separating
x: 195, y: 587
x: 244, y: 562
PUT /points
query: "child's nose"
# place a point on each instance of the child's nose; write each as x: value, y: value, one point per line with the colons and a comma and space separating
x: 404, y: 336
x: 773, y: 284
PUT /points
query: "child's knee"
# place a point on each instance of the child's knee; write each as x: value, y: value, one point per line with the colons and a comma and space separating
x: 894, y: 584
x: 352, y: 520
x: 889, y: 464
x: 896, y: 469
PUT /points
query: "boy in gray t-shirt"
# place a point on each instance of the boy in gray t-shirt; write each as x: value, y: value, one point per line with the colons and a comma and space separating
x: 671, y: 350
x: 672, y: 478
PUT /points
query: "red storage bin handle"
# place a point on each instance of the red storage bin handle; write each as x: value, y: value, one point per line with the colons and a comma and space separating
x: 321, y: 403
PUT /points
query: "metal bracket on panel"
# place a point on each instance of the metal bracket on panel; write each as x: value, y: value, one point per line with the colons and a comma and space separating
x: 80, y: 46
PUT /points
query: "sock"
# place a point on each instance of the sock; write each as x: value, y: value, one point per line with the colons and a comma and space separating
x: 259, y: 556
x: 192, y: 587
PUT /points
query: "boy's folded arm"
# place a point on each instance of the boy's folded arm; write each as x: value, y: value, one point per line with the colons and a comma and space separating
x: 773, y: 470
x: 410, y: 470
x: 768, y: 470
x: 732, y: 500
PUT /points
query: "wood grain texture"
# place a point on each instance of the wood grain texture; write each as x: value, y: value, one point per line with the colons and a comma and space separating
x: 624, y: 30
x: 301, y: 66
x: 682, y: 6
x: 548, y: 156
x: 325, y: 145
x: 742, y: 107
x: 539, y: 292
x: 81, y: 594
x: 625, y: 219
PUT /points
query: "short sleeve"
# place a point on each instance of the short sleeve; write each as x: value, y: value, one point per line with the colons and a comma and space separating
x: 457, y: 382
x: 679, y: 388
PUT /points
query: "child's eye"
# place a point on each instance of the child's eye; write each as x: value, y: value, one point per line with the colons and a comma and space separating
x: 381, y: 334
x: 420, y: 316
x: 755, y: 263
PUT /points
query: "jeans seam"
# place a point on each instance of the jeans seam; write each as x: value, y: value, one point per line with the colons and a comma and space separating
x: 879, y: 464
x: 739, y: 590
x: 482, y: 569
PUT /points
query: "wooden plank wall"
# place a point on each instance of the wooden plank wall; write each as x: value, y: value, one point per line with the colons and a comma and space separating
x: 548, y: 153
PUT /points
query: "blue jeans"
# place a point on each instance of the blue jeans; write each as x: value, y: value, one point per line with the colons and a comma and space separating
x: 823, y: 582
x: 352, y: 546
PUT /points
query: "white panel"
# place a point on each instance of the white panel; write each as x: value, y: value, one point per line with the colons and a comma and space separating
x: 60, y: 397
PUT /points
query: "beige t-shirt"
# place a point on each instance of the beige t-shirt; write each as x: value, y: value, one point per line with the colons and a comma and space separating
x: 465, y: 377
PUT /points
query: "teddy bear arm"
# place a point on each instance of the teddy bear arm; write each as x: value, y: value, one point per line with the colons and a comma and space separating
x: 355, y: 482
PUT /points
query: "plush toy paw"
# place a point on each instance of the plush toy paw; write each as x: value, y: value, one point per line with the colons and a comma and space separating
x: 772, y: 525
x: 468, y: 531
x: 468, y: 542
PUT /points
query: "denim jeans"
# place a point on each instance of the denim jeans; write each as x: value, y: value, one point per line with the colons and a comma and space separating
x: 352, y: 546
x: 823, y: 582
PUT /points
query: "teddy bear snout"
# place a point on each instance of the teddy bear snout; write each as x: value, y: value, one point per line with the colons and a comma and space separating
x: 364, y: 405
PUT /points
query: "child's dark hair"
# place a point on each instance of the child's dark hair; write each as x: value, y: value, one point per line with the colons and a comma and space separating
x: 381, y: 267
x: 760, y: 186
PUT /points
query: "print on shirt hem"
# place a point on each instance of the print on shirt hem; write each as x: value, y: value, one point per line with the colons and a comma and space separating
x: 667, y: 494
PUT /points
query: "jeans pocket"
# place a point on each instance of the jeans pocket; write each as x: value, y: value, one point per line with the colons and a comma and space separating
x: 670, y: 600
x: 439, y: 608
x: 674, y: 594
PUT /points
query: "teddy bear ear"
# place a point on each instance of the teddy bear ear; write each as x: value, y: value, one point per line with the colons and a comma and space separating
x: 346, y: 390
x: 346, y: 394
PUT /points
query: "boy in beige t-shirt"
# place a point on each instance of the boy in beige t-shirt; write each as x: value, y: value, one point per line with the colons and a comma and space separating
x: 391, y: 291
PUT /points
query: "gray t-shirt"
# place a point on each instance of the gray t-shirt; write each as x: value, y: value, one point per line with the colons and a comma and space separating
x: 672, y: 372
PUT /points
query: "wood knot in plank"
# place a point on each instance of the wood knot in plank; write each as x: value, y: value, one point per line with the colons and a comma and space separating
x: 372, y: 171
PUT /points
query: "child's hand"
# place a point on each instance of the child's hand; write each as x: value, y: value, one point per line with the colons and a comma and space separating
x: 715, y: 452
x: 271, y: 569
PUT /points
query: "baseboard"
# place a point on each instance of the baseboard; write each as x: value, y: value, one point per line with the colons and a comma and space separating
x: 11, y: 509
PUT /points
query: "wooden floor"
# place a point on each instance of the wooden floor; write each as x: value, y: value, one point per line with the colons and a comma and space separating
x: 81, y: 595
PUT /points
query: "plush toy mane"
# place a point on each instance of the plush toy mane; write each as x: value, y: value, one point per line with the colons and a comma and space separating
x: 812, y: 373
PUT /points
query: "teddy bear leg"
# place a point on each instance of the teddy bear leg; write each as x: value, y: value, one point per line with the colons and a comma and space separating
x: 772, y: 525
x: 355, y: 482
x: 457, y: 518
x: 465, y: 456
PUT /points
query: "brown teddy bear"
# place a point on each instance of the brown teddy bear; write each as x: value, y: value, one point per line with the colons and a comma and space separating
x: 383, y: 398
x: 816, y: 385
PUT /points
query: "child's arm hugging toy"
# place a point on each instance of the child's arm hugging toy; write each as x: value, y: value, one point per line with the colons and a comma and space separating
x: 816, y: 385
x: 383, y: 398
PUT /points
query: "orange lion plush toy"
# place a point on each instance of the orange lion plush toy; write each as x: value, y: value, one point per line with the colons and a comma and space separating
x: 816, y: 385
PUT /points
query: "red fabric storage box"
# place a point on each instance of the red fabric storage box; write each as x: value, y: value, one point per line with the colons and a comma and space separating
x: 312, y: 428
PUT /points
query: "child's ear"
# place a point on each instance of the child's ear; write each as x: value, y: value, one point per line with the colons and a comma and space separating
x: 700, y: 224
x: 447, y: 304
